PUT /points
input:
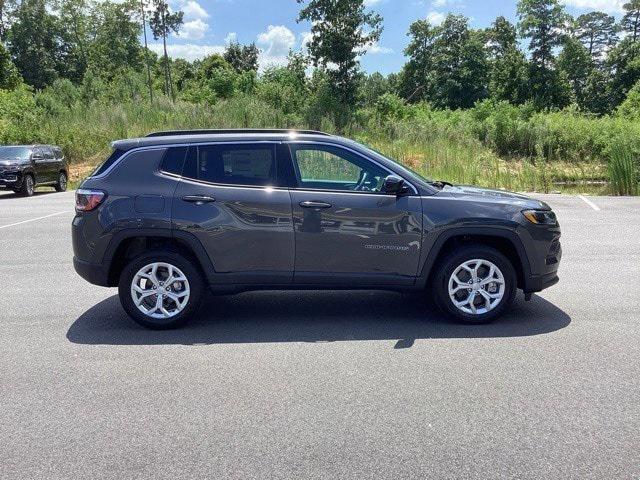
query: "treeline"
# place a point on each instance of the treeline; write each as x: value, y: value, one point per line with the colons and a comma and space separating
x: 571, y: 95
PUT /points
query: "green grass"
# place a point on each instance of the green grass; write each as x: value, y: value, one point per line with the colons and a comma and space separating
x: 440, y: 145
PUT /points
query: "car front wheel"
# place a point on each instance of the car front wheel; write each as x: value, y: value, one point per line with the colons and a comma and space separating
x: 28, y: 186
x: 475, y: 284
x: 161, y: 290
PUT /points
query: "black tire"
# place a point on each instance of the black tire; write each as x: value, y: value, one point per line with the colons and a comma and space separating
x: 61, y: 186
x: 446, y: 268
x: 188, y: 268
x: 28, y: 186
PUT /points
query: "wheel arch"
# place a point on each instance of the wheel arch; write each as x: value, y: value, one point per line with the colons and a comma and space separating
x: 505, y: 241
x: 129, y: 243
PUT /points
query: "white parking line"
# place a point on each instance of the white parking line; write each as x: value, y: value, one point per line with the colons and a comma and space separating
x: 33, y: 219
x: 589, y: 202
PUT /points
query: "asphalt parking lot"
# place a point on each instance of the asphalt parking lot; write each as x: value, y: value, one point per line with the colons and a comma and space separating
x: 320, y: 384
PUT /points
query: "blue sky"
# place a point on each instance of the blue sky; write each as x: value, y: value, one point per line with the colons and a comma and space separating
x: 211, y: 24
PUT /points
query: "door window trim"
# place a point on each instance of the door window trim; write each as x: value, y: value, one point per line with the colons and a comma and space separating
x: 350, y: 150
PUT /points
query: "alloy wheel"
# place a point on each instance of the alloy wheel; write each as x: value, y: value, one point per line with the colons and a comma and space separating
x: 476, y: 286
x: 160, y: 290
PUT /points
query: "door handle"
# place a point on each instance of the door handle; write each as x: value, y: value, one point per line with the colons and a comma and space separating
x: 315, y: 204
x: 198, y: 199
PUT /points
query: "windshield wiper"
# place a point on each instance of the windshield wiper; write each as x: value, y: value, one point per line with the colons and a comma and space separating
x: 441, y: 184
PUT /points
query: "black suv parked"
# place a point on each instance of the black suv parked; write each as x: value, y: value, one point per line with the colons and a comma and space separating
x: 170, y: 214
x: 24, y: 167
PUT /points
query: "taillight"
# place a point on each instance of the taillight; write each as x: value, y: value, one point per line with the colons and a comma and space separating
x: 87, y: 200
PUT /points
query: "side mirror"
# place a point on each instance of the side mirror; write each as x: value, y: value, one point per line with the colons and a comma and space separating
x: 394, y: 185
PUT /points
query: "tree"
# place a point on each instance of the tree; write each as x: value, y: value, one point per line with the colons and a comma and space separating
x: 577, y: 64
x: 115, y: 47
x: 33, y: 41
x: 340, y: 31
x: 508, y: 79
x: 74, y: 22
x: 414, y: 82
x: 162, y: 23
x: 9, y: 76
x: 372, y: 87
x: 631, y: 21
x: 243, y: 58
x: 544, y: 23
x: 143, y: 17
x: 624, y: 64
x: 6, y: 10
x: 597, y: 31
x: 459, y: 65
x: 630, y: 108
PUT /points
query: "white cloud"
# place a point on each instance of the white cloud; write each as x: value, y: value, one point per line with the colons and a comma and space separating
x: 232, y: 37
x: 370, y: 3
x: 377, y: 49
x: 276, y: 41
x: 192, y: 9
x: 305, y: 38
x: 193, y: 30
x: 611, y: 6
x: 188, y: 51
x: 435, y: 18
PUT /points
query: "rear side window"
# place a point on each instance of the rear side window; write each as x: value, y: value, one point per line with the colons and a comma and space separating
x: 173, y: 160
x: 57, y: 152
x: 234, y: 164
x: 48, y: 153
x: 113, y: 158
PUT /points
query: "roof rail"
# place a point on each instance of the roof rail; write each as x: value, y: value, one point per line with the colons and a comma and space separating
x: 170, y: 133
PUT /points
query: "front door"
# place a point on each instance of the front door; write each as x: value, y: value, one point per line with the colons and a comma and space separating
x: 346, y: 229
x: 230, y: 199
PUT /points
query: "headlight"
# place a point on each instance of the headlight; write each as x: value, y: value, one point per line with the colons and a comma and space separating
x: 541, y: 217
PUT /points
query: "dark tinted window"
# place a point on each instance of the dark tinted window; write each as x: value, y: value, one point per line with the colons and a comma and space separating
x: 174, y: 160
x: 108, y: 162
x: 48, y: 153
x: 233, y: 164
x: 57, y: 152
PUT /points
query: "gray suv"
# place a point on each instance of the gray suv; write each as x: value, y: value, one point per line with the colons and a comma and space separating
x: 170, y: 214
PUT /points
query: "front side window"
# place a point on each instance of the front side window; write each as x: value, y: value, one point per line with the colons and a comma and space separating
x: 234, y: 164
x: 332, y: 168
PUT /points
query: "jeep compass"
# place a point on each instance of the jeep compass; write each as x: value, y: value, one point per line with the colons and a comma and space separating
x: 168, y: 216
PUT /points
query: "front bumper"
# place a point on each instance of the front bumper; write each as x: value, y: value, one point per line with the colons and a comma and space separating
x: 10, y: 181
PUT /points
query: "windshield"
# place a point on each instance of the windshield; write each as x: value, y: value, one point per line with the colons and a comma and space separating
x: 15, y: 153
x: 375, y: 153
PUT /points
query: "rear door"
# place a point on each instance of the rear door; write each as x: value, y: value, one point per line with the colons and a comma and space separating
x: 48, y: 172
x: 231, y: 199
x: 40, y: 167
x: 346, y: 229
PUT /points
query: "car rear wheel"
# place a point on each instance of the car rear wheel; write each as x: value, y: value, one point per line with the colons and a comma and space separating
x: 28, y: 186
x: 61, y: 186
x: 161, y: 290
x: 475, y: 284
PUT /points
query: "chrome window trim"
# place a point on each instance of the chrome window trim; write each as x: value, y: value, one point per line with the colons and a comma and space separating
x: 355, y: 152
x: 171, y: 145
x: 253, y: 142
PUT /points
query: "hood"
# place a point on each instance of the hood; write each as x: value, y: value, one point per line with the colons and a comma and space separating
x: 496, y: 196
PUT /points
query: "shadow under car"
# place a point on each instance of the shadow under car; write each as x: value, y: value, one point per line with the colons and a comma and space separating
x: 312, y: 316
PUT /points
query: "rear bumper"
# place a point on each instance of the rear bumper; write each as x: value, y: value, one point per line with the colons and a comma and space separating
x: 92, y: 273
